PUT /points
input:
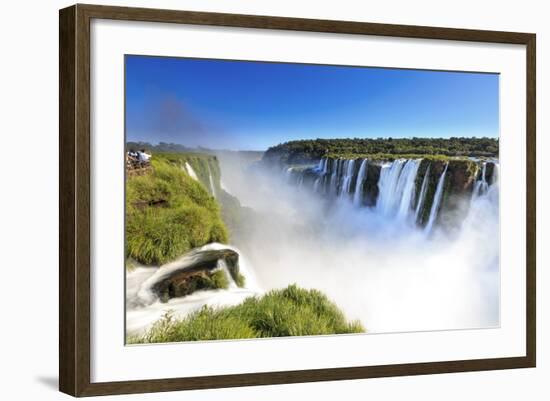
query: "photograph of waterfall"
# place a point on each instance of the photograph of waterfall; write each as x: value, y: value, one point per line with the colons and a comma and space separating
x: 271, y: 199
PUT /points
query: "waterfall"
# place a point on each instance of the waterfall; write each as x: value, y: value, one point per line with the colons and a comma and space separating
x: 321, y: 166
x: 224, y: 187
x: 322, y: 170
x: 397, y: 186
x: 422, y: 194
x: 399, y: 196
x: 407, y: 187
x: 387, y: 185
x: 191, y: 172
x: 349, y: 168
x: 222, y: 265
x: 335, y: 177
x: 361, y: 177
x: 437, y: 200
x: 317, y: 183
x: 144, y: 308
x: 212, y: 186
x: 288, y: 173
x: 301, y: 180
x: 481, y: 184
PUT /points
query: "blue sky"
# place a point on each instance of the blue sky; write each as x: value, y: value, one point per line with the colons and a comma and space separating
x: 253, y: 105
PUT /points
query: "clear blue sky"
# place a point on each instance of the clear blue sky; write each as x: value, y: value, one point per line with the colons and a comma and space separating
x: 253, y: 105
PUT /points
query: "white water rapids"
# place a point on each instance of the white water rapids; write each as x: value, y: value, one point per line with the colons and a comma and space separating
x: 143, y: 307
x: 361, y: 176
x: 397, y: 188
x: 437, y: 201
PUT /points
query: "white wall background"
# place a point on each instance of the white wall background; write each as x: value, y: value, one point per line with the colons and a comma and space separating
x: 29, y: 184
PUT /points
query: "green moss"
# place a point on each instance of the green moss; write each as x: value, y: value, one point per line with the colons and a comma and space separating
x: 240, y: 280
x: 168, y: 213
x: 288, y: 312
x: 219, y: 280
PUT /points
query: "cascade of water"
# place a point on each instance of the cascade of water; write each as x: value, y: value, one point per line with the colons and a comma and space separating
x: 322, y: 171
x: 301, y: 179
x: 342, y: 176
x: 361, y: 176
x: 422, y: 195
x: 335, y: 177
x: 387, y: 184
x: 397, y: 187
x: 406, y: 188
x: 350, y: 168
x: 322, y: 165
x: 212, y: 186
x: 222, y: 265
x: 316, y: 184
x: 191, y: 172
x: 144, y: 308
x: 481, y: 185
x: 437, y: 201
x: 496, y: 173
x: 288, y: 173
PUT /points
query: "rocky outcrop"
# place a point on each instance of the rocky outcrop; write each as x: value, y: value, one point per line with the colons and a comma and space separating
x: 459, y: 179
x: 198, y: 270
x: 370, y: 185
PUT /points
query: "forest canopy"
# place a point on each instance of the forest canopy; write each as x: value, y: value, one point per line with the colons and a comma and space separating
x: 314, y: 149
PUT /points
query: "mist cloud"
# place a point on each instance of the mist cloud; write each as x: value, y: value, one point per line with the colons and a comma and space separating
x: 385, y: 273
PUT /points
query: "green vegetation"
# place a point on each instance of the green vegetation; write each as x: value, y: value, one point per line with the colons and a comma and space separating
x: 204, y: 166
x: 205, y: 163
x: 386, y: 148
x: 219, y: 280
x: 169, y: 213
x: 214, y: 281
x: 288, y: 312
x: 240, y: 280
x: 459, y: 180
x: 392, y: 157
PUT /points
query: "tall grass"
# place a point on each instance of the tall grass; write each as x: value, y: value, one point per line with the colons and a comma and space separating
x: 169, y: 213
x: 292, y: 311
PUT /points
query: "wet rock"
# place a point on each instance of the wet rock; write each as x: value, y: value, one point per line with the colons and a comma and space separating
x: 198, y: 270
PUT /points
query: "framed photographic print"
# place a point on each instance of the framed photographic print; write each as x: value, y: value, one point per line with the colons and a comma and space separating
x: 250, y: 200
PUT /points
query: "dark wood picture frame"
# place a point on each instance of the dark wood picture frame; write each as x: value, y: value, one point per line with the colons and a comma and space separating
x: 74, y: 199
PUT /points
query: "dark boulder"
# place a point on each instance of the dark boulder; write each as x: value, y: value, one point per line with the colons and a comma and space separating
x: 198, y: 270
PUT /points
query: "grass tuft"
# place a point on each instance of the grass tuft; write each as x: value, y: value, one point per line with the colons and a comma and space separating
x: 292, y: 311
